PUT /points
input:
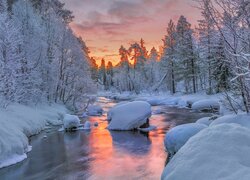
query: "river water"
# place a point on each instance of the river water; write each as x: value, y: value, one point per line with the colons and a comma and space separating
x: 100, y: 153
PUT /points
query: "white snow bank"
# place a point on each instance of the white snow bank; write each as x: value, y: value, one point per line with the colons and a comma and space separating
x: 70, y: 121
x: 217, y: 152
x: 206, y: 104
x: 207, y: 120
x: 172, y: 101
x: 94, y: 110
x: 179, y: 135
x: 18, y: 122
x: 153, y: 101
x: 13, y: 159
x: 123, y: 96
x: 241, y: 119
x: 129, y: 116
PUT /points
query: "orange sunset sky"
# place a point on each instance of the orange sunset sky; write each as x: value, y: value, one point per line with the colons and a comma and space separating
x: 105, y: 25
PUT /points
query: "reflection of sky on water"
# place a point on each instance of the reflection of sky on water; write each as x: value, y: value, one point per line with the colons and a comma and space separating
x: 99, y: 153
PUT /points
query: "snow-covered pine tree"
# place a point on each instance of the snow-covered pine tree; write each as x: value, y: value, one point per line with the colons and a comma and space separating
x: 168, y: 59
x: 185, y: 56
x: 152, y: 67
x: 102, y: 76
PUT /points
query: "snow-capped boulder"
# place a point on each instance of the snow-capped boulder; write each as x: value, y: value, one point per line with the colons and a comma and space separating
x: 241, y: 119
x: 206, y: 120
x: 129, y: 116
x: 87, y: 125
x: 110, y: 112
x: 70, y: 121
x: 94, y: 110
x: 155, y: 101
x: 217, y: 152
x: 123, y: 97
x: 96, y: 124
x: 179, y: 135
x: 206, y: 105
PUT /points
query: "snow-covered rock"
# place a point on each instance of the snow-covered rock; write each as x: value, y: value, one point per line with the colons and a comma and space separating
x: 70, y: 121
x: 110, y: 112
x: 94, y: 110
x: 87, y: 125
x: 84, y: 115
x: 123, y: 97
x: 206, y: 120
x: 152, y: 100
x: 241, y: 119
x: 157, y: 111
x: 206, y: 105
x: 171, y: 101
x: 179, y: 135
x: 217, y: 152
x: 129, y: 116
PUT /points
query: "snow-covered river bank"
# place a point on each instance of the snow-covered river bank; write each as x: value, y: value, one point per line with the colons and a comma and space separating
x: 100, y: 153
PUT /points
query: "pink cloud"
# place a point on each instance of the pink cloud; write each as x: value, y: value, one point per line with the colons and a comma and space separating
x: 114, y: 23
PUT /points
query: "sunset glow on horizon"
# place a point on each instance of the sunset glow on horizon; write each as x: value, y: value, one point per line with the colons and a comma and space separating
x: 106, y: 25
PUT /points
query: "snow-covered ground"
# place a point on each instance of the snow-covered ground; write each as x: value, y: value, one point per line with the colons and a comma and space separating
x: 218, y: 151
x: 18, y: 122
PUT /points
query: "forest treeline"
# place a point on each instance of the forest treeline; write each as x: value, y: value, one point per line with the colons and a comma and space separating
x: 41, y: 60
x: 213, y: 57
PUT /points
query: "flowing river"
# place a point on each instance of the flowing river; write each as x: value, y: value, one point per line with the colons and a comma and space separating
x: 100, y: 153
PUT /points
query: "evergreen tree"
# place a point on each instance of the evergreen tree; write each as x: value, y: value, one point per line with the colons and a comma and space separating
x: 186, y: 59
x: 102, y: 74
x: 110, y: 75
x: 168, y: 60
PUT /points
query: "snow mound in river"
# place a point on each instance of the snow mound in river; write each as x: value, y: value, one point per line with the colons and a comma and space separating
x: 206, y: 104
x: 207, y: 120
x: 179, y: 135
x: 70, y: 121
x: 110, y: 112
x: 217, y: 152
x: 241, y: 119
x: 129, y: 116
